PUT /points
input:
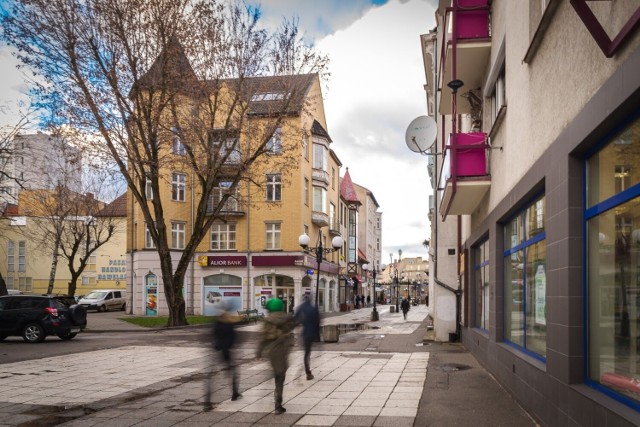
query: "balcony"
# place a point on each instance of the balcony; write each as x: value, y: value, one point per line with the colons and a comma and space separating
x: 230, y: 208
x: 464, y: 179
x: 318, y: 175
x: 320, y: 219
x: 469, y: 41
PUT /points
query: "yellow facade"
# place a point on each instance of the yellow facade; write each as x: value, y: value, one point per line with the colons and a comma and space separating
x: 294, y: 213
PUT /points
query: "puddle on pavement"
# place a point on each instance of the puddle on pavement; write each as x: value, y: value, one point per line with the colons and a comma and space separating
x: 451, y: 367
x: 343, y: 328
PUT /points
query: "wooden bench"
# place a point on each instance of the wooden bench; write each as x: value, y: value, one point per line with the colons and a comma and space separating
x: 251, y: 314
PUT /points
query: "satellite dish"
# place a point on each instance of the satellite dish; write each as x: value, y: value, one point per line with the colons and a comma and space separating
x: 421, y: 134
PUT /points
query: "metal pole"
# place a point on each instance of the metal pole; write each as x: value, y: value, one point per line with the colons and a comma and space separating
x: 397, y: 291
x: 319, y: 260
x: 374, y: 313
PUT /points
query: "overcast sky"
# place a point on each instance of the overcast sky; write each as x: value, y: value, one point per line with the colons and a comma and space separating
x: 375, y: 91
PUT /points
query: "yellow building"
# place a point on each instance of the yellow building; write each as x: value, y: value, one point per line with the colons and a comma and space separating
x: 253, y: 252
x: 25, y: 262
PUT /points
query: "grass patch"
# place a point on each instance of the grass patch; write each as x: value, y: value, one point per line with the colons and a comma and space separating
x: 161, y: 321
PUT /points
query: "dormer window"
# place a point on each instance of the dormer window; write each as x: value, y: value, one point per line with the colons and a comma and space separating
x: 269, y: 96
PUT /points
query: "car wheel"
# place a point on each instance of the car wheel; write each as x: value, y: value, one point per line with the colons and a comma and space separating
x: 102, y: 308
x: 124, y: 307
x: 67, y: 336
x: 33, y: 333
x: 78, y: 314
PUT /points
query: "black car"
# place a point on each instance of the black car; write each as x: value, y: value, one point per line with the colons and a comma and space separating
x: 33, y: 317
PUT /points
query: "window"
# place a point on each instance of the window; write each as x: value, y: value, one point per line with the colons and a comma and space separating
x: 274, y: 145
x: 498, y: 97
x: 333, y: 178
x: 91, y: 263
x: 148, y: 190
x: 223, y: 236
x: 24, y: 284
x: 612, y: 265
x: 177, y: 235
x: 526, y: 279
x: 11, y: 260
x: 332, y: 216
x: 320, y: 157
x: 306, y: 191
x: 274, y: 187
x: 269, y: 96
x: 319, y: 199
x: 178, y: 146
x: 22, y: 256
x: 178, y: 182
x: 148, y: 241
x: 9, y: 282
x: 482, y: 285
x: 230, y: 151
x: 224, y: 187
x: 273, y: 235
x: 88, y: 280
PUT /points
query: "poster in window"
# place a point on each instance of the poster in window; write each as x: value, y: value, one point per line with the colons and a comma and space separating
x: 151, y: 290
x: 540, y: 295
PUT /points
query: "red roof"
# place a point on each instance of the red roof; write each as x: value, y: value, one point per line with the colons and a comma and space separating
x: 116, y: 208
x: 347, y: 190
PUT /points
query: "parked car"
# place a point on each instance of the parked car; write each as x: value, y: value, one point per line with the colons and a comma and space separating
x: 104, y: 299
x: 34, y: 317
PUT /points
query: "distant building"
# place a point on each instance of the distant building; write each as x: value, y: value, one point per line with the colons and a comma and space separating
x: 40, y: 161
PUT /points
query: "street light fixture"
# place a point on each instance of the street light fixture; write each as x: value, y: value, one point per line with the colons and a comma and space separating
x: 319, y: 253
x: 374, y: 314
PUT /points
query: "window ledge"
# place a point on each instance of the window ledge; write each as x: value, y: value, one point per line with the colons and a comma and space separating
x: 541, y: 29
x: 496, y: 124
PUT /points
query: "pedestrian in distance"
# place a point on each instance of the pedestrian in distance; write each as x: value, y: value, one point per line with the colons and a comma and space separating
x: 308, y: 315
x: 368, y: 300
x: 223, y: 338
x: 277, y: 340
x: 405, y: 307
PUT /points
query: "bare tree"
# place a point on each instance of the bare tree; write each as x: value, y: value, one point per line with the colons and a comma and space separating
x: 7, y: 173
x: 145, y: 77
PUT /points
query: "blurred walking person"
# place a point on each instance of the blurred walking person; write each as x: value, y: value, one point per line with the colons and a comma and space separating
x: 309, y: 316
x: 277, y: 341
x: 223, y: 339
x: 405, y: 306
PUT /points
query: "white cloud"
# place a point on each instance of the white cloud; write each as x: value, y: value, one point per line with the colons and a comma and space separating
x: 376, y: 89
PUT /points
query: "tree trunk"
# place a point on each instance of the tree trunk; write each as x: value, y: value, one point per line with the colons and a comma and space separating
x: 3, y: 286
x: 72, y: 285
x: 54, y: 266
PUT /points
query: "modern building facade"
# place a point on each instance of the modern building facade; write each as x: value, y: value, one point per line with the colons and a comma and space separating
x: 39, y: 161
x: 536, y: 225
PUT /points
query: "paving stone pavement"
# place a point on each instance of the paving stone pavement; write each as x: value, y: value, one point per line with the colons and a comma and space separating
x: 378, y: 376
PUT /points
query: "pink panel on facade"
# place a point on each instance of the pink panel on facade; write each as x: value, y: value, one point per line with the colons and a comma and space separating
x: 471, y: 158
x: 470, y: 23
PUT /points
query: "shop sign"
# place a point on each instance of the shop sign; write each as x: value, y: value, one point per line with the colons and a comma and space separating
x: 222, y: 261
x: 277, y: 261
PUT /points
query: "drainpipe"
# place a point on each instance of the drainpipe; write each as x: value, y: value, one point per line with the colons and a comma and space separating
x: 250, y: 285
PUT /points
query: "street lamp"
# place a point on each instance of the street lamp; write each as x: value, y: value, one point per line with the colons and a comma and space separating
x: 319, y: 252
x: 397, y: 281
x: 374, y: 272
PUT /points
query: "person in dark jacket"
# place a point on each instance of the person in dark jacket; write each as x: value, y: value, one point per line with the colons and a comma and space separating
x: 309, y: 316
x: 277, y: 341
x: 405, y: 307
x: 223, y: 339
